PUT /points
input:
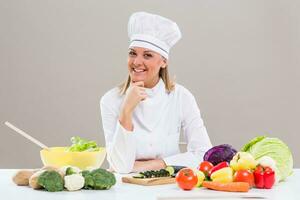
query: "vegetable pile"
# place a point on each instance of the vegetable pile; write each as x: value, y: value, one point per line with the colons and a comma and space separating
x: 261, y: 163
x: 71, y: 178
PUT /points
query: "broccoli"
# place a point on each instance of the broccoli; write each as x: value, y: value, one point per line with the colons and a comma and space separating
x: 51, y: 181
x: 98, y: 179
x: 71, y: 170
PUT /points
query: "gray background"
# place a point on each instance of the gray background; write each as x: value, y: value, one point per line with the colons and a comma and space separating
x: 58, y: 57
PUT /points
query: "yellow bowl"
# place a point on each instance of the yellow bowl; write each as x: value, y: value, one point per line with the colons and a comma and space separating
x: 58, y: 156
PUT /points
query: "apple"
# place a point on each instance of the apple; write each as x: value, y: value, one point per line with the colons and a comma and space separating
x: 201, y: 177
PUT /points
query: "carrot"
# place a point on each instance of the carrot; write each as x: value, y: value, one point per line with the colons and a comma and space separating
x: 228, y: 187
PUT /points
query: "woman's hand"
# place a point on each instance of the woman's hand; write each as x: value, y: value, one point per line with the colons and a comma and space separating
x: 141, y: 166
x: 135, y: 94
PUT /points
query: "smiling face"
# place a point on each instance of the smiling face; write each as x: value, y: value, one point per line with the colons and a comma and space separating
x: 144, y: 65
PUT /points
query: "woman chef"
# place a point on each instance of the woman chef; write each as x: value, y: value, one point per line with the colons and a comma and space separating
x: 143, y: 117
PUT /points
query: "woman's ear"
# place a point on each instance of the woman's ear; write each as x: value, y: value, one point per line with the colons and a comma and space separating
x: 165, y: 63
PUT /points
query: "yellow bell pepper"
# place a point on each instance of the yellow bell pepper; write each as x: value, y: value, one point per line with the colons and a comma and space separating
x: 224, y: 175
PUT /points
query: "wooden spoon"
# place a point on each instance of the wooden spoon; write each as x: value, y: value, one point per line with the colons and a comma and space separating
x: 35, y: 141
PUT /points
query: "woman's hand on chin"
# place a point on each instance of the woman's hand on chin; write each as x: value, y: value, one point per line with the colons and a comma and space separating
x: 155, y: 164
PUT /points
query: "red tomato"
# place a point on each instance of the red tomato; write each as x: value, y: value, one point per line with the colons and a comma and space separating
x: 244, y: 176
x: 205, y: 167
x: 186, y: 179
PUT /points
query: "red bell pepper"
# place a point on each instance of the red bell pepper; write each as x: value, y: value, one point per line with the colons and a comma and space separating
x: 264, y: 177
x: 217, y: 167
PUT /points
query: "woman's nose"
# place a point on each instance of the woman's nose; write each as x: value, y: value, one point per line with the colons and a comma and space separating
x: 138, y: 61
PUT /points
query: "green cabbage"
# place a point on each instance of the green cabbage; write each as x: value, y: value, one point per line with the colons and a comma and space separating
x: 274, y: 148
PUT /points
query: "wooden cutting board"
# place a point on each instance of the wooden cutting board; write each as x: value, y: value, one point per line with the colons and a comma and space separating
x: 148, y: 181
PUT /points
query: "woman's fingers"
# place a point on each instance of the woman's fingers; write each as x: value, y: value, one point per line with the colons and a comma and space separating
x: 139, y: 86
x: 143, y: 94
x: 138, y: 83
x: 136, y: 93
x: 139, y: 90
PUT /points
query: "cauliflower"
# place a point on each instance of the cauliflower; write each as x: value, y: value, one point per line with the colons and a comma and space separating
x: 267, y: 161
x: 74, y: 182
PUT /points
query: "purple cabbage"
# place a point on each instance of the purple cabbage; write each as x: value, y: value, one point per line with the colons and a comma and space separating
x: 220, y: 153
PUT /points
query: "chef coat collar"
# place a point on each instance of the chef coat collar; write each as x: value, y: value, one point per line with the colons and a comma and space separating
x: 160, y: 86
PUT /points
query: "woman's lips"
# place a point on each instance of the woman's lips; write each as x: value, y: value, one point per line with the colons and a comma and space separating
x: 139, y: 71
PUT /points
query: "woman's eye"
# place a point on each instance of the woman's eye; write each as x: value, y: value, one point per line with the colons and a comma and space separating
x: 131, y: 53
x: 148, y: 56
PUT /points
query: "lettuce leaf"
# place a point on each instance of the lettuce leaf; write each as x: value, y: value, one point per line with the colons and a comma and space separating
x: 79, y: 144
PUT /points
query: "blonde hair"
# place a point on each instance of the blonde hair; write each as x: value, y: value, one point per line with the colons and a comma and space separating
x: 163, y: 74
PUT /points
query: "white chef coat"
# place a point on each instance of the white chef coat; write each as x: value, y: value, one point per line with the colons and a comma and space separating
x: 157, y: 122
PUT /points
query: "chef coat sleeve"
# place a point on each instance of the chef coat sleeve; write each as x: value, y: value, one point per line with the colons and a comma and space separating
x: 195, y: 134
x: 120, y: 145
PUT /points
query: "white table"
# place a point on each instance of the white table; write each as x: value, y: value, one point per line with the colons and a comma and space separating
x: 123, y: 191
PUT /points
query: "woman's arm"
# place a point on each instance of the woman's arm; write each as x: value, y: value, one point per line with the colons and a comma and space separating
x: 195, y: 133
x: 120, y: 143
x: 135, y: 94
x: 140, y: 166
x: 118, y: 128
x: 125, y: 119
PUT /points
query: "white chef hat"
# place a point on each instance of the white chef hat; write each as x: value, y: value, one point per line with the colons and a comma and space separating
x: 152, y: 32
